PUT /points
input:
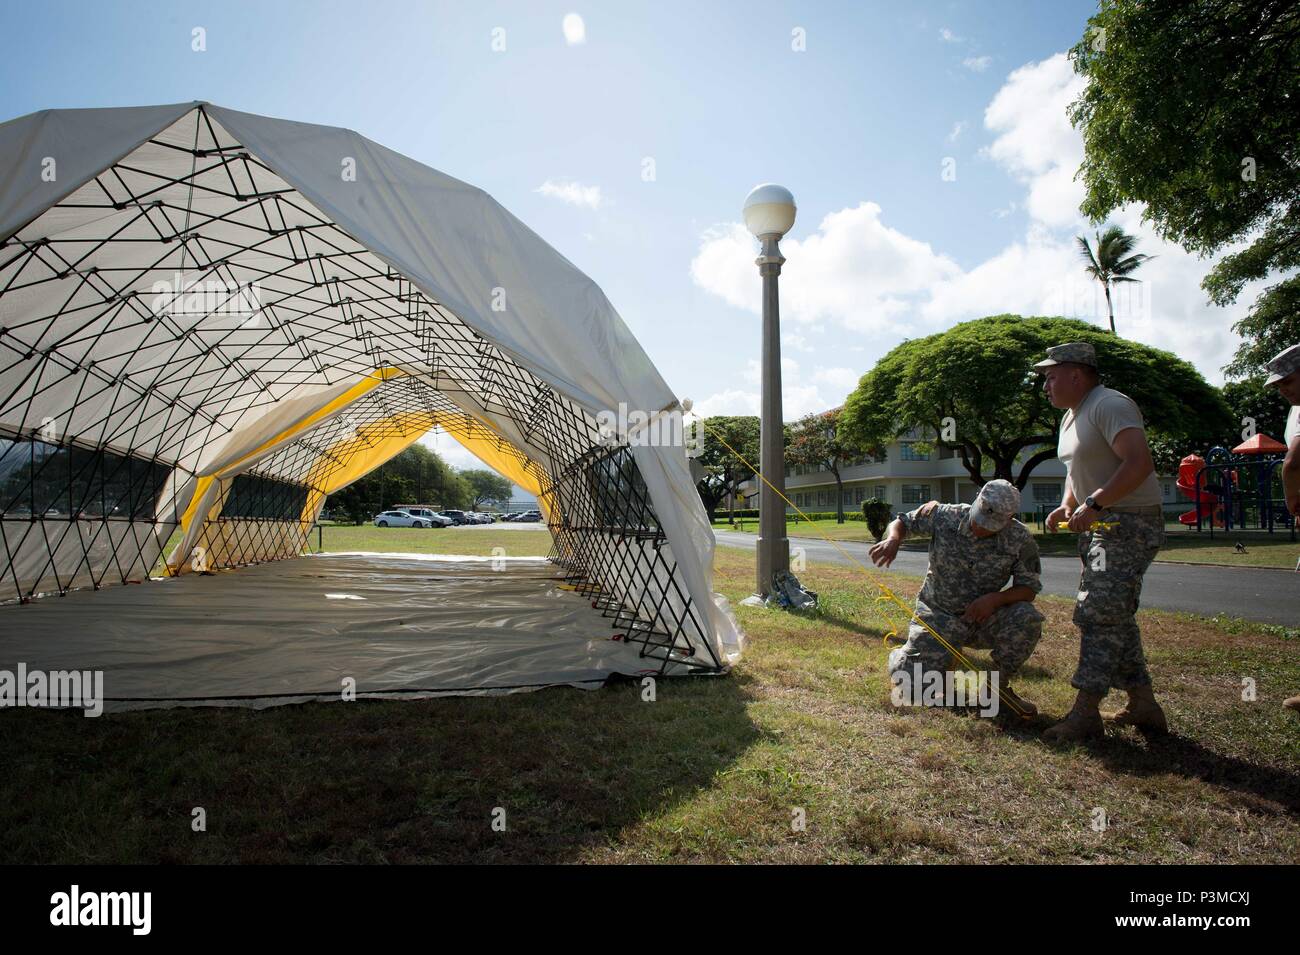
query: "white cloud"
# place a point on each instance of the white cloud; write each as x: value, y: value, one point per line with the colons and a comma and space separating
x: 853, y: 270
x: 863, y: 276
x: 841, y: 380
x: 574, y: 193
x: 733, y: 401
x: 575, y: 30
x: 947, y: 36
x: 827, y: 389
x: 957, y: 129
x: 1035, y: 141
x: 977, y: 64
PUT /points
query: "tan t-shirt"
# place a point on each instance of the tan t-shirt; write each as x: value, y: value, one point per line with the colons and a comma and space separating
x: 1085, y: 446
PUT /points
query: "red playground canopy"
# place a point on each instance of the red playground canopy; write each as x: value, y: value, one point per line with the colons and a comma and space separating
x: 1260, y: 444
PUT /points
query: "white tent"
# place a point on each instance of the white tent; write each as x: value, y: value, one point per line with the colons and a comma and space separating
x: 210, y: 320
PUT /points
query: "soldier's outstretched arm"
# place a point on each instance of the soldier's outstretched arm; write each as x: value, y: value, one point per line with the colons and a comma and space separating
x: 916, y: 523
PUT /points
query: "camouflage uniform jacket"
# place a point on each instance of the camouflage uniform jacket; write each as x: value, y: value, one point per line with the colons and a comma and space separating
x: 963, y: 566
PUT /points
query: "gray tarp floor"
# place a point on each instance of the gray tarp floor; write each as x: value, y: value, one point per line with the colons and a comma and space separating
x: 292, y: 630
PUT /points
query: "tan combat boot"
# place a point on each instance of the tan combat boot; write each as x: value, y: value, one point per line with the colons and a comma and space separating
x: 1292, y: 703
x: 1141, y: 711
x: 1016, y: 705
x: 1083, y: 722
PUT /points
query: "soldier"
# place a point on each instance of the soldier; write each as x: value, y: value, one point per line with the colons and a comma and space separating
x: 974, y: 549
x: 1112, y: 501
x: 1284, y: 373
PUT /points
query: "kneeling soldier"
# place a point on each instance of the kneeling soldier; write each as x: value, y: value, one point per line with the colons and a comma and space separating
x: 974, y: 549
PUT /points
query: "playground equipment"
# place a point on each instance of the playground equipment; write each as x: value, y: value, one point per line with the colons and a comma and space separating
x: 1207, y: 502
x: 1229, y: 488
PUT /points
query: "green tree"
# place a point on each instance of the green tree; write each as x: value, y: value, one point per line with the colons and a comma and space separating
x: 1113, y: 262
x: 485, y: 486
x: 1191, y: 108
x: 974, y: 388
x: 1250, y: 400
x: 414, y: 476
x: 720, y: 471
x: 816, y: 440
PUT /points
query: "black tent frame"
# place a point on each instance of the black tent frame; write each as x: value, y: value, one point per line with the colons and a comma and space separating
x: 328, y: 310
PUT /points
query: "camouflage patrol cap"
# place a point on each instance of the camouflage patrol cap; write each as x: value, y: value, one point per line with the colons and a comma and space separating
x: 997, y: 502
x: 1282, y: 364
x: 1078, y: 353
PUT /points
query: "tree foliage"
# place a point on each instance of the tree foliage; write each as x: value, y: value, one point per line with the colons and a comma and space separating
x: 722, y: 470
x: 818, y: 441
x: 1191, y: 108
x: 487, y: 486
x: 979, y: 375
x: 415, y: 476
x: 1112, y: 262
x: 1254, y: 400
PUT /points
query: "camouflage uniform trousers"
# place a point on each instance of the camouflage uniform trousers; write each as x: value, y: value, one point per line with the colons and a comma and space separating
x: 1011, y: 632
x: 1114, y: 560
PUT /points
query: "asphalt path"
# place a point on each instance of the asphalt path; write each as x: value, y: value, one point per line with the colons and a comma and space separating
x: 1251, y: 593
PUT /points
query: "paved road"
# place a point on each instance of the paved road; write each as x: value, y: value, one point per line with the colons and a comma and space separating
x: 1268, y: 596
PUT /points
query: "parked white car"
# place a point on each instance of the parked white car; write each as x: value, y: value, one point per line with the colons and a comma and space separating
x: 399, y: 519
x: 433, y: 518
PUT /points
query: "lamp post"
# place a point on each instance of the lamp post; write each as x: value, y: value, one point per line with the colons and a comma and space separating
x: 769, y: 214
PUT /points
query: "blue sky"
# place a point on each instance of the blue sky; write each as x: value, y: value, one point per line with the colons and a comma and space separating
x: 857, y: 125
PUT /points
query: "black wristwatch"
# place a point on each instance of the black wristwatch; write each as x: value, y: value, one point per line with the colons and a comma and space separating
x: 1091, y: 502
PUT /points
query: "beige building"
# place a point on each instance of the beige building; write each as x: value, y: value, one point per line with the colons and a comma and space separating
x: 912, y: 471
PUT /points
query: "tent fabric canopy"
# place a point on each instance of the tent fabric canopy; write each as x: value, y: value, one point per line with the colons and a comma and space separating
x: 210, y: 320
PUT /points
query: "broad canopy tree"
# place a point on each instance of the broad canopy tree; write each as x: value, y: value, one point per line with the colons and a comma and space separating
x: 1194, y: 110
x: 723, y: 472
x: 973, y: 386
x: 818, y: 441
x: 415, y: 476
x: 485, y: 486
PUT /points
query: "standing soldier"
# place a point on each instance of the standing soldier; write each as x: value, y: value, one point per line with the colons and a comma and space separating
x: 1112, y: 501
x: 1284, y: 374
x: 974, y: 550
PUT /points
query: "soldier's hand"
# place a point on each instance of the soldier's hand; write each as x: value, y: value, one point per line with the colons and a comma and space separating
x: 1054, y: 519
x: 883, y: 554
x: 1083, y: 518
x: 980, y: 609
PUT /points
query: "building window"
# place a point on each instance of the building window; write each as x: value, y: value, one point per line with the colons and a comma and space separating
x: 914, y: 494
x: 882, y: 492
x: 858, y: 495
x: 1047, y: 494
x: 910, y: 453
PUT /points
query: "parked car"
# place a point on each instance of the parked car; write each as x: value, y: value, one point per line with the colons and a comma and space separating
x: 433, y: 517
x: 530, y: 517
x: 399, y: 519
x: 457, y: 517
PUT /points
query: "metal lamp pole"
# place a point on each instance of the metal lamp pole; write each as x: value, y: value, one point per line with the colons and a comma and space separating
x: 769, y: 214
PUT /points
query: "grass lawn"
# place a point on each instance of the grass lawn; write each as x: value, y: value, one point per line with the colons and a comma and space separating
x: 531, y: 541
x: 714, y: 770
x: 1262, y: 550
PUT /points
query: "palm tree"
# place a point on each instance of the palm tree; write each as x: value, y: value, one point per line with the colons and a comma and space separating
x: 1114, y: 261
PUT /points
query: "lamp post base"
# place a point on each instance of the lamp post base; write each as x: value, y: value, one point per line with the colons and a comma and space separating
x: 785, y: 593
